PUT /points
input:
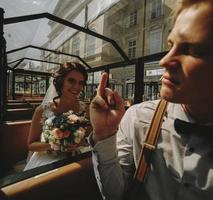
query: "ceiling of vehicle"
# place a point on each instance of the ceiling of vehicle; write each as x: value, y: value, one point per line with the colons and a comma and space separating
x: 28, y: 36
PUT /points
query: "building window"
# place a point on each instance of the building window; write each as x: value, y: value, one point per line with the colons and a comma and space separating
x: 132, y: 49
x: 156, y: 8
x: 155, y: 39
x: 76, y: 46
x: 130, y: 89
x: 133, y: 19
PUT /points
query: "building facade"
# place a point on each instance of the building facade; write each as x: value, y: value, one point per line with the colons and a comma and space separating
x: 140, y: 28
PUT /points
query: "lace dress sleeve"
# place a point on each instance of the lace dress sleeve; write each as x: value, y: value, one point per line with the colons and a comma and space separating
x: 47, y: 113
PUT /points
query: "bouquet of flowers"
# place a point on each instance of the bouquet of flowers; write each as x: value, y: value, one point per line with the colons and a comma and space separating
x: 65, y: 130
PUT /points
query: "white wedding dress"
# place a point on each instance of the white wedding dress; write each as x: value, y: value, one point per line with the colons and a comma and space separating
x: 42, y: 158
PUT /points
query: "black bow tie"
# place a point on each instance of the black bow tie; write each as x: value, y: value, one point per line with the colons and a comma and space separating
x: 198, y: 129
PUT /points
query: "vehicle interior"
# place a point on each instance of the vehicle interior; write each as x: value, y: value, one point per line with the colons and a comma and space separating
x: 35, y: 38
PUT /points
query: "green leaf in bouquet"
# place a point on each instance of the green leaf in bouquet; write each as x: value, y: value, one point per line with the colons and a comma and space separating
x: 46, y: 134
x: 52, y: 138
x: 65, y: 143
x: 62, y: 148
x: 76, y: 134
x: 49, y: 122
x: 45, y: 127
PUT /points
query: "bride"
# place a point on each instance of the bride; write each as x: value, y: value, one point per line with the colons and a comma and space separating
x: 61, y: 97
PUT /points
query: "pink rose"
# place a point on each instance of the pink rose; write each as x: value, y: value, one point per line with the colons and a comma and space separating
x: 58, y: 134
x: 66, y: 134
x: 72, y: 119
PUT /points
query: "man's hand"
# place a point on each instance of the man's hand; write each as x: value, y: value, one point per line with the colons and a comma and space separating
x: 106, y: 111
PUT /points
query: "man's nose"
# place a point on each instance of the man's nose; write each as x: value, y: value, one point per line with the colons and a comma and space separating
x: 171, y: 59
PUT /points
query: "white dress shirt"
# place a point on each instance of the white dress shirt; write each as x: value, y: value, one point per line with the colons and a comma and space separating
x: 181, y: 167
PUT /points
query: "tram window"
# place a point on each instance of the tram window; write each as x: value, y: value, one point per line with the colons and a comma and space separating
x: 151, y: 91
x: 120, y: 80
x: 156, y: 8
x: 130, y: 89
x: 133, y: 18
x: 19, y: 87
x: 27, y: 88
x: 121, y: 22
x: 35, y: 89
x: 41, y: 87
x: 92, y: 84
x: 30, y: 85
x: 19, y: 84
x: 118, y: 88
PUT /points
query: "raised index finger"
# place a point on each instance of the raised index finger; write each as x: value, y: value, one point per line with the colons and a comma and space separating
x: 102, y: 84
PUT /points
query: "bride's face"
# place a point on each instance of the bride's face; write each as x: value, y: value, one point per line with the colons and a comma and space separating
x: 73, y: 84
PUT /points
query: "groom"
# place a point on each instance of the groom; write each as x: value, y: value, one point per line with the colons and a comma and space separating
x: 181, y: 166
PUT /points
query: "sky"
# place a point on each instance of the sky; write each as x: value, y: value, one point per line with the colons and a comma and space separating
x: 26, y: 33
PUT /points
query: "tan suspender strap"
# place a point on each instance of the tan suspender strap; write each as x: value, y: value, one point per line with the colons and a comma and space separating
x: 150, y: 141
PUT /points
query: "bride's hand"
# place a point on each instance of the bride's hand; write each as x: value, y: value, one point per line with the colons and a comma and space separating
x: 72, y: 147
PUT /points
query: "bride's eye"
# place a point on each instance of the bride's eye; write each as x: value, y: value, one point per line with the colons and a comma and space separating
x: 72, y: 81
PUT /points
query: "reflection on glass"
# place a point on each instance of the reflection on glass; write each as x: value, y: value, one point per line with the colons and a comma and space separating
x: 152, y: 74
x: 138, y: 30
x: 92, y: 84
x: 30, y: 85
x: 122, y: 80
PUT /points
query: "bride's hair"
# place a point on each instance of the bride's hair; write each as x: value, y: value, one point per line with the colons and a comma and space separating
x: 62, y: 72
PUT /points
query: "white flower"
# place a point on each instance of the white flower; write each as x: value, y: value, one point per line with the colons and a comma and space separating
x: 68, y: 131
x: 72, y: 118
x: 81, y: 132
x: 49, y: 121
x: 77, y: 140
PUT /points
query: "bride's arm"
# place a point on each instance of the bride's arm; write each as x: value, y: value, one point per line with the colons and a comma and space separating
x: 34, y: 138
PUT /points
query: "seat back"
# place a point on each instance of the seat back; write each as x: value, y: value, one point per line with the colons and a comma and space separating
x: 74, y: 181
x: 13, y: 142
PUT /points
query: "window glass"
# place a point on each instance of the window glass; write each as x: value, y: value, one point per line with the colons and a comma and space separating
x: 156, y: 8
x: 155, y: 41
x: 133, y: 18
x: 92, y: 84
x: 122, y: 80
x: 19, y: 84
x: 132, y: 49
x: 152, y: 74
